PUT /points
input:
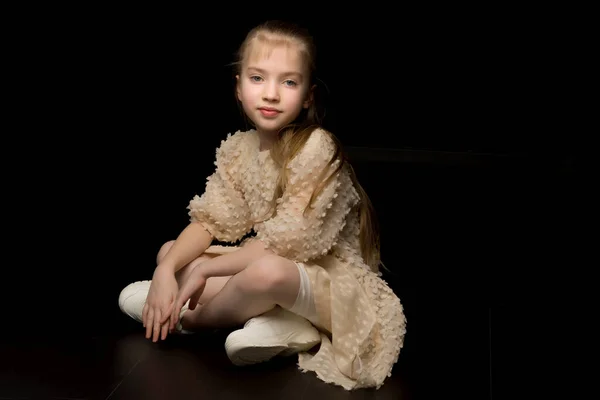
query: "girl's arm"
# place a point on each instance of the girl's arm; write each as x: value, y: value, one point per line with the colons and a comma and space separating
x: 190, y: 244
x: 225, y: 265
x: 232, y: 263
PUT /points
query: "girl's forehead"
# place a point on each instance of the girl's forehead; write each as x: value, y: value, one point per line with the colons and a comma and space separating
x: 282, y: 52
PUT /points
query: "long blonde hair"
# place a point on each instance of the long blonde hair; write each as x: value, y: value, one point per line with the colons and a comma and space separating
x: 292, y: 138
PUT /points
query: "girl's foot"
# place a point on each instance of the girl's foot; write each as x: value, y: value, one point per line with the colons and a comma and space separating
x: 276, y: 332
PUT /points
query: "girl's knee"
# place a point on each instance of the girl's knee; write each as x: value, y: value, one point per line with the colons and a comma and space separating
x: 269, y: 274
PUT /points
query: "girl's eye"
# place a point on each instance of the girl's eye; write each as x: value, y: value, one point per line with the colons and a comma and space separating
x: 289, y: 82
x: 255, y: 78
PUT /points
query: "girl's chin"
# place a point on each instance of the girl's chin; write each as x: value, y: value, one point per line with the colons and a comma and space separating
x: 268, y: 131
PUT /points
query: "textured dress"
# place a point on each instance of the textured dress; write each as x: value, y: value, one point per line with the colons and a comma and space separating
x: 361, y: 320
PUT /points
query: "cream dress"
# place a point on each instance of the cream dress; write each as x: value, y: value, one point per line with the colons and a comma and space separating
x: 361, y: 320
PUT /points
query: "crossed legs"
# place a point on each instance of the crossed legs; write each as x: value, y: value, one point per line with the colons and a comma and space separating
x: 231, y: 301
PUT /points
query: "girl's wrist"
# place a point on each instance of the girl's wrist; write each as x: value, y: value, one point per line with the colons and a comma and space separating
x: 205, y: 269
x: 165, y: 268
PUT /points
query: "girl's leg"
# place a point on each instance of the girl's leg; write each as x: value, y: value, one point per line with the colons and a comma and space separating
x: 268, y: 282
x: 213, y: 285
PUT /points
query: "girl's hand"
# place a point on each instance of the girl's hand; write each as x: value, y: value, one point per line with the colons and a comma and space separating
x: 191, y: 290
x: 159, y: 304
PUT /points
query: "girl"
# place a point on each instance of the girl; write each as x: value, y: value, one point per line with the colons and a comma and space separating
x: 310, y: 274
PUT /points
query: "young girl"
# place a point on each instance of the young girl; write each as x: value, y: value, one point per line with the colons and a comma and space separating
x: 310, y: 274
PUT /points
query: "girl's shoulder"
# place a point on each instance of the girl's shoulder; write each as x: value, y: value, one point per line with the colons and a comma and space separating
x: 320, y: 137
x: 319, y: 146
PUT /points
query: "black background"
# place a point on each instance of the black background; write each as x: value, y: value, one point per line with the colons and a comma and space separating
x: 117, y: 116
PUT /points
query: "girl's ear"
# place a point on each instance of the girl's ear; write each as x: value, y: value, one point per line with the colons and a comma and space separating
x: 237, y: 88
x: 309, y: 97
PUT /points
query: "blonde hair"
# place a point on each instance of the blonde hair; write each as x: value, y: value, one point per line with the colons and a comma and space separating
x: 293, y: 137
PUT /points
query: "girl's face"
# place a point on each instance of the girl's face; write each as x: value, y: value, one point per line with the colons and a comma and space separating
x: 273, y: 86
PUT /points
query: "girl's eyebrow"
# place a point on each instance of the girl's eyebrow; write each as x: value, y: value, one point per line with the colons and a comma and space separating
x: 262, y: 71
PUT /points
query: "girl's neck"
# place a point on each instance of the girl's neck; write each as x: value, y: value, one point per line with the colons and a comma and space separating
x: 266, y: 140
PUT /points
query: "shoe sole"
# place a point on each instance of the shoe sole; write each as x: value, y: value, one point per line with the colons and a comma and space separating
x: 241, y: 353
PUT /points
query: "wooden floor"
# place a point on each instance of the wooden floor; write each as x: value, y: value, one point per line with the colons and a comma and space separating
x: 124, y: 365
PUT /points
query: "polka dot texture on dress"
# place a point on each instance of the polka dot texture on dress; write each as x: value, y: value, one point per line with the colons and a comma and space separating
x: 362, y: 320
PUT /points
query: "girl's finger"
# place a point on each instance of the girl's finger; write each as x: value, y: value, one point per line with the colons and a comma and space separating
x: 156, y: 330
x: 191, y: 306
x: 164, y: 331
x: 166, y: 314
x: 173, y: 320
x: 144, y: 314
x: 175, y: 314
x: 195, y: 299
x: 149, y: 322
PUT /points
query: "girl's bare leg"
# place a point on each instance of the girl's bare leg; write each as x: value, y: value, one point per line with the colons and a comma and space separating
x: 268, y: 282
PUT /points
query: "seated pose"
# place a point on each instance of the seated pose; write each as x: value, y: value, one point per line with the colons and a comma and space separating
x: 307, y: 282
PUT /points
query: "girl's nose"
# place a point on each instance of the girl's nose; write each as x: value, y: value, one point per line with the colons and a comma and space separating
x: 271, y: 93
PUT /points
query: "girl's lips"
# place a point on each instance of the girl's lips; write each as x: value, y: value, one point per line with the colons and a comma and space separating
x: 268, y: 112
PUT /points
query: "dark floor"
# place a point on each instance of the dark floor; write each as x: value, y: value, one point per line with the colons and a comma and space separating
x: 124, y: 365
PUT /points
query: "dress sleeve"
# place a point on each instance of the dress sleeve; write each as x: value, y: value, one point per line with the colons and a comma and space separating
x: 302, y: 237
x: 222, y: 209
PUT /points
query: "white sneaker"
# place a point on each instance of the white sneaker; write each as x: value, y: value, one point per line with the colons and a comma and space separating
x: 133, y: 298
x: 276, y: 332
